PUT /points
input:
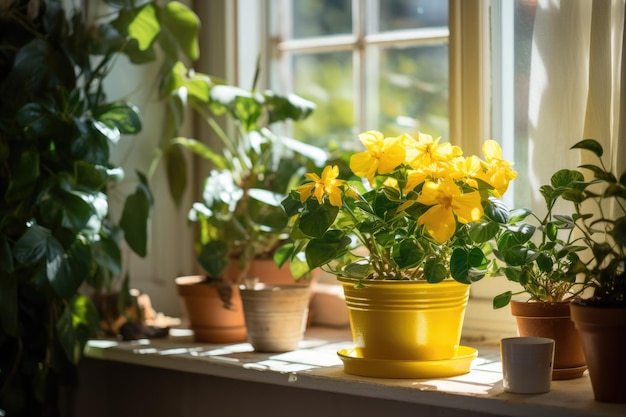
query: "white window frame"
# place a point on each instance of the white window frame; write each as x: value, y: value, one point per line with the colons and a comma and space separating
x: 470, y: 101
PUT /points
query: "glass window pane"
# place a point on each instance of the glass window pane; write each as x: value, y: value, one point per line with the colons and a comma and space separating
x: 325, y: 79
x: 409, y: 14
x: 310, y: 18
x: 407, y: 90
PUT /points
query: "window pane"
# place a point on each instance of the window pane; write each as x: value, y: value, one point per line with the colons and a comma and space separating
x: 407, y: 90
x: 325, y: 79
x: 312, y: 18
x: 410, y: 14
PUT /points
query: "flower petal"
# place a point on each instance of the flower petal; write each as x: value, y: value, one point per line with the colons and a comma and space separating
x: 439, y: 223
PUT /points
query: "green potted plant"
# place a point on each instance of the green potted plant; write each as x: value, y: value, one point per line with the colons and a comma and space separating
x: 542, y: 255
x: 413, y: 218
x: 57, y: 234
x: 600, y: 218
x: 239, y: 217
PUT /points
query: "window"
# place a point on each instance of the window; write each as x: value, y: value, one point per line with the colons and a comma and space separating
x: 368, y: 64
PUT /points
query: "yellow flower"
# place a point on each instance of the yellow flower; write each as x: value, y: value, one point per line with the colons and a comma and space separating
x: 497, y: 171
x: 448, y: 204
x: 383, y: 155
x: 426, y: 151
x: 328, y: 185
x: 467, y: 169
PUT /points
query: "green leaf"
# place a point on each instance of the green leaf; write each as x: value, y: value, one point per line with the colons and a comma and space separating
x: 144, y: 27
x: 67, y: 270
x: 200, y: 149
x: 106, y: 253
x: 316, y: 220
x: 589, y: 145
x: 460, y: 266
x: 213, y: 258
x: 37, y: 121
x: 135, y: 217
x: 434, y: 271
x: 502, y: 300
x: 182, y: 83
x: 600, y: 173
x: 551, y: 231
x: 619, y: 232
x: 496, y: 210
x: 33, y: 245
x: 519, y: 214
x: 43, y: 65
x: 358, y: 270
x: 283, y: 254
x: 24, y: 174
x: 290, y: 107
x: 184, y: 25
x: 176, y: 167
x: 565, y: 178
x: 544, y: 262
x: 483, y: 232
x: 322, y: 250
x: 125, y: 117
x: 78, y: 322
x: 407, y: 254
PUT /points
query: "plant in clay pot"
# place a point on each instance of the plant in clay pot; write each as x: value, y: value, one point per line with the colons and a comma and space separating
x: 413, y: 213
x: 542, y: 255
x: 239, y: 216
x: 600, y: 218
x: 240, y: 221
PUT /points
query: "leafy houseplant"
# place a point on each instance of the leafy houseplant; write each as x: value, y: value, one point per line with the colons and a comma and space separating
x: 240, y: 218
x: 416, y: 208
x: 57, y: 234
x: 600, y: 215
x: 603, y: 228
x: 542, y: 256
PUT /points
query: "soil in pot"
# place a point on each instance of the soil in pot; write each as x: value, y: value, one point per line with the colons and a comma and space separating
x: 552, y: 320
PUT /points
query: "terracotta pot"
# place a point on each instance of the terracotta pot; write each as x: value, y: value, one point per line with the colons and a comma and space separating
x: 267, y: 272
x: 603, y: 334
x: 276, y: 316
x: 552, y: 320
x: 406, y: 320
x: 213, y: 318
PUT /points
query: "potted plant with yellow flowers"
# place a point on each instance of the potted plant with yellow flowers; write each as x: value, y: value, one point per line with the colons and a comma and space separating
x: 405, y: 232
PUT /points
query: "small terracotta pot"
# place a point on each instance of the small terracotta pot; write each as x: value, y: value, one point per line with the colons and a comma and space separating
x: 552, y: 320
x: 214, y: 318
x: 603, y: 334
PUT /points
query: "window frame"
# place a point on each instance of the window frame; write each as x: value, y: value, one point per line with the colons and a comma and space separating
x: 470, y: 107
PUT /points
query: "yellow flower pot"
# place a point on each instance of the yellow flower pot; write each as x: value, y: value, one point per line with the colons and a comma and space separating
x: 406, y: 320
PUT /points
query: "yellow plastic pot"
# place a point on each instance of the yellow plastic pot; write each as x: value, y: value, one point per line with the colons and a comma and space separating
x: 406, y: 320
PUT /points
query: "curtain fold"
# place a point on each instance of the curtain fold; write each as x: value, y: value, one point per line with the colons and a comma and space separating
x: 577, y: 85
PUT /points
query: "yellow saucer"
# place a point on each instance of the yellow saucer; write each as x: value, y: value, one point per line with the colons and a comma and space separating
x: 384, y: 368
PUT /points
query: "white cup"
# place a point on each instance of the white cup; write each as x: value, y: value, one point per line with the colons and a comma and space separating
x: 527, y: 364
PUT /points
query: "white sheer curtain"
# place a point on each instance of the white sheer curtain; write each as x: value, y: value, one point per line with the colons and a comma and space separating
x: 577, y: 85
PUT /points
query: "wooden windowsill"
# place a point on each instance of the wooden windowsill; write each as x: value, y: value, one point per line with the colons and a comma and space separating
x: 316, y: 366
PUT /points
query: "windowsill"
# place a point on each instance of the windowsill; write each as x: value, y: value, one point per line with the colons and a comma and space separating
x: 316, y: 366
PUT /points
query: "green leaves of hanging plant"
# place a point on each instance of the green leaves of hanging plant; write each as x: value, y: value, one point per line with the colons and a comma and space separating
x: 65, y: 268
x: 135, y: 217
x: 78, y: 322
